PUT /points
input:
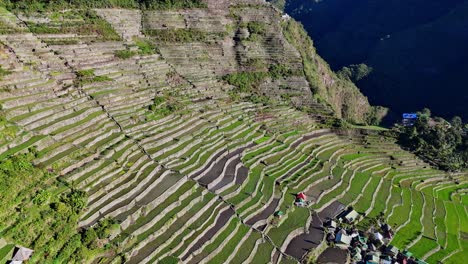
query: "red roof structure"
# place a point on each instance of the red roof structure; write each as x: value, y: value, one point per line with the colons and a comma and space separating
x: 301, y: 196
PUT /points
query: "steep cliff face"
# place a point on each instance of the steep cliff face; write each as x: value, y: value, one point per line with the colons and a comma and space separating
x: 341, y: 94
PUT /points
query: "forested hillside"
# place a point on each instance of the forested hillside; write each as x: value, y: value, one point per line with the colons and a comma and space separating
x: 417, y: 48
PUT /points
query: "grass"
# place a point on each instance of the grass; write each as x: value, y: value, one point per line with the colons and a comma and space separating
x: 253, y: 180
x: 286, y: 166
x: 261, y: 140
x: 463, y: 217
x: 337, y: 191
x: 401, y: 212
x: 183, y: 237
x: 452, y: 223
x: 413, y: 229
x: 440, y: 222
x: 366, y: 199
x: 260, y: 199
x: 177, y: 224
x: 445, y: 194
x: 378, y: 128
x: 171, y: 216
x: 220, y: 238
x: 201, y: 226
x: 263, y: 254
x: 309, y: 168
x: 423, y: 246
x: 296, y: 218
x: 229, y: 247
x: 125, y: 54
x: 395, y: 198
x: 156, y: 211
x: 429, y: 226
x: 246, y: 248
x: 380, y: 199
x: 88, y: 76
x: 22, y: 146
x: 357, y: 185
x: 251, y: 155
x: 6, y: 252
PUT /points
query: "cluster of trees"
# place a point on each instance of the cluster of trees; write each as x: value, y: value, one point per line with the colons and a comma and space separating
x: 44, y: 5
x: 249, y: 81
x: 438, y: 141
x: 355, y: 72
x: 40, y: 211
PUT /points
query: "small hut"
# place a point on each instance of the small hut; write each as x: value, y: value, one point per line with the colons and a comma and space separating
x: 21, y: 254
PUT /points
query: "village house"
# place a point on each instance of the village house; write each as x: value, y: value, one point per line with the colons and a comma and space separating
x: 21, y: 254
x: 391, y: 251
x: 351, y: 216
x: 342, y: 239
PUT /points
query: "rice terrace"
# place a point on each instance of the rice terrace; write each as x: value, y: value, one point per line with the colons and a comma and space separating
x: 205, y: 131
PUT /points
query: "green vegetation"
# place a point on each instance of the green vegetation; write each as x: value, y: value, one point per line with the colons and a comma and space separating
x: 256, y: 30
x: 144, y: 47
x: 50, y: 5
x: 43, y: 198
x: 296, y: 218
x: 437, y: 141
x: 86, y: 22
x: 165, y: 105
x: 182, y: 35
x: 355, y: 72
x: 125, y: 54
x: 87, y: 76
x: 246, y: 81
x: 279, y: 71
x: 3, y: 72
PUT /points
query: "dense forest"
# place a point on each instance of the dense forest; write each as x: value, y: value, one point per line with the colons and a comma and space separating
x: 438, y: 141
x: 417, y: 49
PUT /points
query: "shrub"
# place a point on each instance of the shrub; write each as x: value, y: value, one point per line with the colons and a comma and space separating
x: 246, y: 81
x: 106, y: 228
x: 88, y: 76
x: 125, y: 54
x: 278, y: 71
x: 3, y: 72
x: 75, y: 199
x: 41, y: 197
x: 145, y: 47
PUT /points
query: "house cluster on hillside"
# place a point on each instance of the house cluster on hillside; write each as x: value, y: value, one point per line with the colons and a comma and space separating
x: 11, y: 254
x: 370, y: 247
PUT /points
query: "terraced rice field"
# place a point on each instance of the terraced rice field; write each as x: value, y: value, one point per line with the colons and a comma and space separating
x: 202, y: 184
